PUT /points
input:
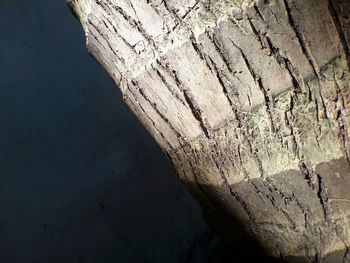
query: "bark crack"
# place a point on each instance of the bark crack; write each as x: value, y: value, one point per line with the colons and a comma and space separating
x: 132, y: 22
x: 335, y: 16
x: 195, y: 109
x: 302, y: 43
x: 169, y: 87
x: 266, y: 92
x: 323, y: 197
x: 154, y: 106
x: 343, y: 133
x: 285, y: 63
x: 236, y: 196
x: 148, y: 117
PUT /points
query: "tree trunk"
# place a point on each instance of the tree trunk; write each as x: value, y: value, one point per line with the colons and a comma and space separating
x: 250, y: 100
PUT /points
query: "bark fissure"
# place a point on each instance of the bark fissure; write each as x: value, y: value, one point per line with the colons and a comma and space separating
x: 220, y: 51
x: 303, y: 167
x: 195, y: 109
x: 340, y: 30
x: 343, y: 133
x: 132, y: 48
x: 244, y: 132
x: 154, y: 106
x: 292, y: 198
x: 302, y: 43
x: 257, y: 10
x: 285, y: 63
x: 236, y: 196
x: 106, y: 39
x: 322, y: 195
x: 169, y: 87
x: 191, y: 10
x: 150, y: 118
x: 133, y: 23
x: 266, y: 92
x: 219, y: 76
x: 213, y: 68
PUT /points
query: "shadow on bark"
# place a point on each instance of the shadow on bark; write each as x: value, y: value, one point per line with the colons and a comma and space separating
x: 241, y: 246
x: 238, y: 244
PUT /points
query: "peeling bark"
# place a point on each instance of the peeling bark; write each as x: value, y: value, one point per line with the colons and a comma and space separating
x: 250, y: 100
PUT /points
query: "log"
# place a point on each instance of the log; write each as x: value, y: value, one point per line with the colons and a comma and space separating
x: 250, y: 100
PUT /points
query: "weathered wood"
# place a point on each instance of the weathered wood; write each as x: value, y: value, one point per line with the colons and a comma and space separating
x: 249, y: 99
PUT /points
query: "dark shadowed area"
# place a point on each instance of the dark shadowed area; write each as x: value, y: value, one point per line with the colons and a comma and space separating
x: 80, y: 179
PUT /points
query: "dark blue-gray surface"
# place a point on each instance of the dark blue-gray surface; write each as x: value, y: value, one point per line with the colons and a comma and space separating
x: 80, y: 179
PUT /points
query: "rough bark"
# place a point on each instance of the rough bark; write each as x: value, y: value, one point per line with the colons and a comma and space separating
x: 250, y: 101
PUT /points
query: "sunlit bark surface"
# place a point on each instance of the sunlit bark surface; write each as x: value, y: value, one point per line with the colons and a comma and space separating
x: 250, y: 101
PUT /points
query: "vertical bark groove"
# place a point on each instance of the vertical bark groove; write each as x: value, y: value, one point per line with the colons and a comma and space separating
x: 303, y: 45
x: 339, y: 26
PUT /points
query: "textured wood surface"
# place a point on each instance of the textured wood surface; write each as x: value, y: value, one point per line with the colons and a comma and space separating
x: 250, y: 101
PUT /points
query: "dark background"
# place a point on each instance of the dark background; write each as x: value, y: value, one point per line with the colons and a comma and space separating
x: 80, y: 179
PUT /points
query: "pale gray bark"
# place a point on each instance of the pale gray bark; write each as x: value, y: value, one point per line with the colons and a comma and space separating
x: 250, y: 101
